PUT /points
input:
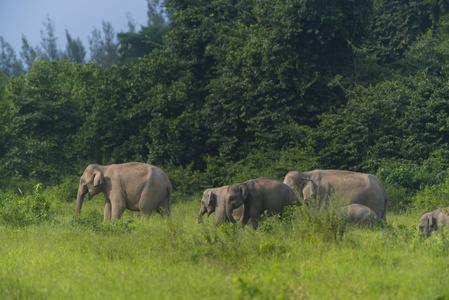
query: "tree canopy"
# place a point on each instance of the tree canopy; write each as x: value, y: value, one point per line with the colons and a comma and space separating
x: 295, y: 83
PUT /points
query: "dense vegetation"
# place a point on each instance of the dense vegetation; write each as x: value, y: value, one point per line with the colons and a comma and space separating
x: 260, y: 85
x: 226, y: 92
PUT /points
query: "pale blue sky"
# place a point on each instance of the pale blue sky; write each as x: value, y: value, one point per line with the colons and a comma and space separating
x: 80, y: 17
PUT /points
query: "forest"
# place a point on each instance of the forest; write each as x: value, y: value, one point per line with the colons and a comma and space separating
x: 219, y: 92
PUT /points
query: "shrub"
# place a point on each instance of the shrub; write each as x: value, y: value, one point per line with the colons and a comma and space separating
x: 185, y: 181
x: 321, y: 222
x: 17, y: 211
x: 432, y: 197
x: 64, y: 192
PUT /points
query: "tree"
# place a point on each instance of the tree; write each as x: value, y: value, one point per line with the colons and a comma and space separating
x: 5, y: 117
x: 48, y: 40
x: 400, y: 119
x: 74, y: 49
x: 134, y: 45
x: 137, y: 44
x: 104, y: 50
x: 9, y: 65
x: 259, y: 64
x: 29, y: 54
x: 398, y: 23
x: 45, y: 115
x: 156, y: 13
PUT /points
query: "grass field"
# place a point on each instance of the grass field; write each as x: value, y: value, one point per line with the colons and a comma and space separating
x: 304, y: 256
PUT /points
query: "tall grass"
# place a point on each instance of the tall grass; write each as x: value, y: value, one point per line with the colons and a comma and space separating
x: 308, y: 254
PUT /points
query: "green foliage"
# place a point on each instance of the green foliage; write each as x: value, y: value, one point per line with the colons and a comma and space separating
x: 136, y: 45
x: 63, y: 192
x: 45, y: 116
x: 400, y: 119
x: 432, y: 197
x: 243, y: 89
x: 19, y: 211
x: 320, y: 222
x: 186, y: 182
x: 397, y: 24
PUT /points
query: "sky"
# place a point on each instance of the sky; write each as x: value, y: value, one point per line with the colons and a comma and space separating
x: 79, y: 17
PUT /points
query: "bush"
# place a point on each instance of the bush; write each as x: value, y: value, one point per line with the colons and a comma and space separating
x: 184, y: 181
x: 399, y: 198
x: 321, y: 222
x: 432, y: 197
x: 64, y: 192
x: 18, y: 211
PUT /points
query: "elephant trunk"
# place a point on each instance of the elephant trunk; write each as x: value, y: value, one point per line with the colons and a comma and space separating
x: 79, y: 199
x: 229, y: 213
x: 203, y: 210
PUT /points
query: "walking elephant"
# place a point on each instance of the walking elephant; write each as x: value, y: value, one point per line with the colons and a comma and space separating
x: 212, y: 201
x: 434, y: 221
x: 353, y: 187
x: 359, y: 214
x: 254, y: 197
x: 135, y: 186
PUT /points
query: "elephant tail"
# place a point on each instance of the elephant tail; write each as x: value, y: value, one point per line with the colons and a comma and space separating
x: 384, y: 214
x: 169, y: 192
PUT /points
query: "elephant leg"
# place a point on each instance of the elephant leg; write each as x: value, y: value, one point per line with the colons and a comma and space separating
x: 246, y: 215
x: 118, y: 208
x: 107, y: 211
x: 145, y: 215
x: 146, y: 206
x: 164, y: 209
x: 255, y: 218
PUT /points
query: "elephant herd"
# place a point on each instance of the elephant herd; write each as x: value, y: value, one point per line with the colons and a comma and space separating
x: 146, y: 188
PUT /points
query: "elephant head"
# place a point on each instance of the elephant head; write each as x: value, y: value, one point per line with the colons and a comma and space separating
x: 300, y: 184
x: 92, y: 182
x: 234, y: 197
x: 208, y: 203
x: 427, y: 223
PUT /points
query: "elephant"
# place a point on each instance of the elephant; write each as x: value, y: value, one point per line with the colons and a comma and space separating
x: 435, y: 220
x: 252, y: 198
x: 135, y: 186
x: 359, y: 214
x: 354, y: 187
x: 212, y: 202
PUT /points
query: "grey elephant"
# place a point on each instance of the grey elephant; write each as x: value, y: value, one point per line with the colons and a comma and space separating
x: 134, y: 186
x: 353, y: 187
x: 212, y: 201
x: 256, y: 196
x: 434, y: 220
x: 359, y: 214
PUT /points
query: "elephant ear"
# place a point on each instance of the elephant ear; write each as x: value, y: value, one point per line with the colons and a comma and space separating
x: 98, y: 178
x: 245, y: 191
x: 211, y: 200
x: 308, y: 190
x: 430, y: 222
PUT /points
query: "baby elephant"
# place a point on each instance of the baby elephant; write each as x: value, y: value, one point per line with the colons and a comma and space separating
x: 359, y: 214
x: 434, y: 220
x: 247, y: 201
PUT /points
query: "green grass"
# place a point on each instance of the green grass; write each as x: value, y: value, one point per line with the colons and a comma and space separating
x: 299, y: 257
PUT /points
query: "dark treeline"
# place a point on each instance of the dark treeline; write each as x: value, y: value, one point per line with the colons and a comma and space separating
x: 239, y: 89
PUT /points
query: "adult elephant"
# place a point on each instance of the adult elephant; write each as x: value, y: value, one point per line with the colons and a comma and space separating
x: 135, y: 186
x: 354, y: 187
x: 256, y: 196
x: 434, y: 220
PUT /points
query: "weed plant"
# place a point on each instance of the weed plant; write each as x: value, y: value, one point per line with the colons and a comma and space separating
x: 310, y: 253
